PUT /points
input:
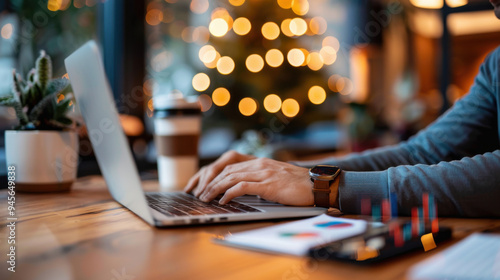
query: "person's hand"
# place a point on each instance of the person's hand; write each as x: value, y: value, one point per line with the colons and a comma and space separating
x: 236, y: 175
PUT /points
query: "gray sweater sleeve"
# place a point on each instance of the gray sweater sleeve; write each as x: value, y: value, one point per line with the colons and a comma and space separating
x: 457, y: 159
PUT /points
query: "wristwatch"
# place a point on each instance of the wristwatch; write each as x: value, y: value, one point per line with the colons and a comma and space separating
x: 322, y: 176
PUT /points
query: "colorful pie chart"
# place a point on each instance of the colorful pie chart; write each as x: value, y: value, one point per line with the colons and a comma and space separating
x: 299, y: 234
x: 333, y: 225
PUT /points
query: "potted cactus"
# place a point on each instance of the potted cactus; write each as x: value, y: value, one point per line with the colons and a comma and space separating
x: 43, y: 147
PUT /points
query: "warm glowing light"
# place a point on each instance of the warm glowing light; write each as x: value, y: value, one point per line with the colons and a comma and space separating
x: 154, y: 17
x: 285, y: 27
x: 332, y: 42
x: 328, y: 54
x: 317, y: 95
x: 247, y: 106
x: 218, y: 27
x: 236, y: 3
x: 225, y: 65
x: 314, y: 61
x: 298, y: 26
x: 242, y: 26
x: 270, y: 30
x: 201, y: 82
x: 205, y: 102
x: 79, y: 3
x: 318, y: 25
x: 332, y: 82
x: 438, y: 4
x: 199, y: 6
x: 7, y: 31
x: 274, y: 58
x: 223, y: 14
x: 285, y: 4
x: 296, y: 57
x: 221, y: 96
x: 272, y: 103
x: 132, y: 125
x: 306, y: 54
x: 201, y: 35
x: 213, y: 64
x: 300, y: 7
x: 207, y: 54
x: 290, y: 107
x: 344, y: 86
x: 254, y: 63
x: 187, y: 34
x: 54, y: 5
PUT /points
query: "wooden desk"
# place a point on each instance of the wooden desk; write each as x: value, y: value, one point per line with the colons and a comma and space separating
x: 85, y: 234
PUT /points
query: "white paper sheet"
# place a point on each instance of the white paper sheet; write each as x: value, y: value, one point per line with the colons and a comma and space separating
x: 475, y: 257
x: 295, y: 238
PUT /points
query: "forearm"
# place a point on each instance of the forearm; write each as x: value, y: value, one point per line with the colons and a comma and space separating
x: 468, y: 188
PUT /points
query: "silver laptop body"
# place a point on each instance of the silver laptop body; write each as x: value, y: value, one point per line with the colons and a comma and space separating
x: 94, y: 98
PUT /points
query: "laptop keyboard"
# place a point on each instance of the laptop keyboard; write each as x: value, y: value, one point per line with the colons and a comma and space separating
x: 183, y: 204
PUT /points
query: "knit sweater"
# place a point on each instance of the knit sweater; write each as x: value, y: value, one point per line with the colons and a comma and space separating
x: 456, y: 159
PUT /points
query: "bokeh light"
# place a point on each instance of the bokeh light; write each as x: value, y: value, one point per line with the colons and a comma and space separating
x: 285, y: 4
x: 201, y: 82
x: 300, y: 7
x: 328, y: 54
x: 154, y: 17
x: 199, y: 6
x: 247, y: 106
x: 332, y: 82
x: 270, y: 30
x: 317, y: 95
x: 298, y: 26
x: 272, y: 103
x: 207, y: 54
x: 213, y: 64
x: 290, y: 107
x: 274, y: 58
x: 236, y: 3
x: 296, y: 57
x: 314, y: 61
x: 345, y: 86
x: 7, y: 31
x: 205, y: 102
x: 242, y: 26
x: 332, y: 42
x: 218, y: 27
x: 254, y: 63
x: 285, y: 27
x: 318, y: 25
x: 221, y: 96
x: 225, y: 65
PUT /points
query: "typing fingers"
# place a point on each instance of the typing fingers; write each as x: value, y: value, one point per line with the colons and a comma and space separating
x: 229, y: 181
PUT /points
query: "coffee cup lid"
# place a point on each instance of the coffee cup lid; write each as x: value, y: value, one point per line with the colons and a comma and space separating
x: 175, y: 100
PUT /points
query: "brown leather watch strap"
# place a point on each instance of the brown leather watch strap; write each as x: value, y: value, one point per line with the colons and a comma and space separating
x: 321, y: 191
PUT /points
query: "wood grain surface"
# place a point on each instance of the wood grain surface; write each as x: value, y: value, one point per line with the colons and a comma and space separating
x: 85, y: 234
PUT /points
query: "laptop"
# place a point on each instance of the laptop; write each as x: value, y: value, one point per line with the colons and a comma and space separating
x: 161, y: 209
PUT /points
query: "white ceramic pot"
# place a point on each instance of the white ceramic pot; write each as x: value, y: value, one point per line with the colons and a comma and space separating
x: 45, y: 161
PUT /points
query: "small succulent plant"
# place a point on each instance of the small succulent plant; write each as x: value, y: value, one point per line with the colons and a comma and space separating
x: 37, y: 101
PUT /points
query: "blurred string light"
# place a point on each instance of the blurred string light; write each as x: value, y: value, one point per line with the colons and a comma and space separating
x: 247, y: 106
x: 221, y: 96
x: 242, y: 26
x: 207, y: 54
x: 7, y: 31
x: 237, y: 3
x: 201, y: 82
x: 332, y: 82
x: 438, y: 4
x: 314, y: 61
x: 199, y: 6
x: 296, y: 57
x: 290, y: 107
x: 300, y: 7
x: 285, y: 27
x: 56, y: 5
x: 225, y: 65
x: 285, y: 4
x: 272, y: 103
x: 331, y: 42
x: 79, y: 3
x: 270, y: 30
x: 317, y: 95
x: 154, y: 17
x: 298, y: 26
x: 205, y: 102
x: 306, y: 54
x: 223, y: 14
x: 218, y: 27
x: 318, y: 25
x: 328, y: 54
x: 274, y: 57
x: 254, y: 63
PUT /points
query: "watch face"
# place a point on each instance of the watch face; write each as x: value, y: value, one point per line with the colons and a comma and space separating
x: 324, y: 172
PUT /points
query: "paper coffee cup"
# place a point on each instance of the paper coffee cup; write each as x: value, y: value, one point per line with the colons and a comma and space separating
x: 177, y: 123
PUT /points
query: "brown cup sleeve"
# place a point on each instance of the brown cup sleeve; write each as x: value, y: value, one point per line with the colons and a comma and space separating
x: 177, y: 145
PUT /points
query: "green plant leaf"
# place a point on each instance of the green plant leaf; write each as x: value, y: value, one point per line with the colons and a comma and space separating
x: 43, y: 71
x: 42, y: 106
x: 56, y: 86
x: 9, y: 101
